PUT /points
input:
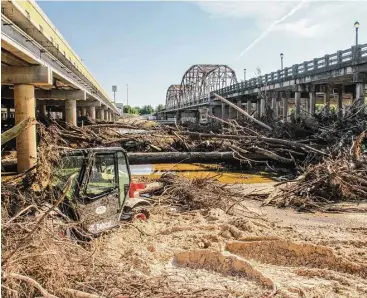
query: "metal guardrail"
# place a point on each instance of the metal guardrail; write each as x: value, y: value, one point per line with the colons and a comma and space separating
x: 354, y: 55
x: 349, y: 57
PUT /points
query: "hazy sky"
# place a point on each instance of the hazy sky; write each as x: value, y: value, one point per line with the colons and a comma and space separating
x: 149, y: 45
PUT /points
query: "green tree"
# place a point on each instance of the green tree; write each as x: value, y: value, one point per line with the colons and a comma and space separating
x: 131, y: 110
x: 159, y: 108
x: 148, y: 109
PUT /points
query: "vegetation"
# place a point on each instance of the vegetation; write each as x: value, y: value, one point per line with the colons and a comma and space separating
x: 144, y: 110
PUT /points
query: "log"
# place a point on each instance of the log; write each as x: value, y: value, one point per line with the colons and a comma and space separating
x: 242, y: 111
x: 294, y: 144
x: 174, y: 157
x: 17, y: 129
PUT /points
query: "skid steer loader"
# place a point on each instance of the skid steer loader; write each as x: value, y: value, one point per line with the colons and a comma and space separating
x: 99, y: 195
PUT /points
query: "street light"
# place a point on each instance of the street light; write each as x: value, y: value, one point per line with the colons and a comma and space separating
x: 114, y: 90
x: 127, y: 94
x: 356, y: 25
x: 281, y: 60
x: 244, y: 74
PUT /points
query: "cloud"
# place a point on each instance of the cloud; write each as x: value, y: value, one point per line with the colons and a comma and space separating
x: 272, y: 25
x: 262, y: 12
x: 302, y: 27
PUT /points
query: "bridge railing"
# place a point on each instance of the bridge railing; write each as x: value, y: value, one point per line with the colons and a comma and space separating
x: 351, y: 56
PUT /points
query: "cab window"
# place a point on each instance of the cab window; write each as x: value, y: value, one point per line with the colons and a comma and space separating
x: 69, y: 165
x: 124, y: 176
x: 102, y: 177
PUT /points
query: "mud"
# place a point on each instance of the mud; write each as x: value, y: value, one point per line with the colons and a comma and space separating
x: 265, y: 252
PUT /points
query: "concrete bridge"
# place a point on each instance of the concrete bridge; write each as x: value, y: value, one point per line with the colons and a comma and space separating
x: 334, y: 80
x: 41, y: 74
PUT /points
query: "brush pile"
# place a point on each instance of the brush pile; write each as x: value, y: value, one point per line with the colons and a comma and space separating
x: 199, y: 194
x: 339, y: 179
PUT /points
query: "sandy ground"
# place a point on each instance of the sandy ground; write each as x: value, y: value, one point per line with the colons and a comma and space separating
x: 252, y: 252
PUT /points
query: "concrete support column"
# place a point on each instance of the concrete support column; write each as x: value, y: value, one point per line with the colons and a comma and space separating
x: 327, y: 99
x: 274, y: 106
x: 285, y: 108
x: 340, y: 101
x: 262, y: 107
x: 249, y: 106
x: 25, y: 106
x: 360, y: 93
x: 307, y: 101
x: 239, y: 104
x: 92, y: 112
x: 312, y: 104
x: 232, y: 112
x: 43, y: 111
x: 258, y: 108
x: 70, y: 111
x: 297, y: 105
x: 84, y: 111
x: 101, y: 114
x: 223, y: 110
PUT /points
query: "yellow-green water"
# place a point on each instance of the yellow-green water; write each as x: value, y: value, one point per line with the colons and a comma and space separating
x: 199, y: 171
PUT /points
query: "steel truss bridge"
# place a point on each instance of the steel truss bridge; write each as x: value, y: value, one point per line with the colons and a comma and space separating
x: 200, y: 81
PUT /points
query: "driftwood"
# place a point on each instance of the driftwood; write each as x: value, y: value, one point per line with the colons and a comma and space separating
x: 17, y: 129
x: 31, y: 282
x: 242, y: 112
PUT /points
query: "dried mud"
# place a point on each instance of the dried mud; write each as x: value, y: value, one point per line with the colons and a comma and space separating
x: 273, y: 254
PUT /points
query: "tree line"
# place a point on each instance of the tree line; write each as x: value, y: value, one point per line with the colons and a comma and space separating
x: 144, y: 110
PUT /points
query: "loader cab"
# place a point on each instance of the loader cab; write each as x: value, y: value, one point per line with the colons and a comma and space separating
x: 100, y: 188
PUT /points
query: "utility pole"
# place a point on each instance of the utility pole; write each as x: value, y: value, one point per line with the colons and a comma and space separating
x: 114, y: 90
x: 127, y: 94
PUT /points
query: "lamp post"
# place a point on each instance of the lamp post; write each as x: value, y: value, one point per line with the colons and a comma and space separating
x: 127, y: 94
x: 356, y: 25
x: 281, y: 60
x: 244, y: 74
x: 114, y: 90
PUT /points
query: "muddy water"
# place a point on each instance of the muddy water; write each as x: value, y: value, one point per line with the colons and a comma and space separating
x: 214, y: 171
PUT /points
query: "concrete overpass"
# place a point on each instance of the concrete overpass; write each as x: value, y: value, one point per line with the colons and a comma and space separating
x: 335, y: 78
x: 40, y: 73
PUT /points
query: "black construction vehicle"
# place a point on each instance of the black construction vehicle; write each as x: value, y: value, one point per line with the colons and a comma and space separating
x: 99, y: 195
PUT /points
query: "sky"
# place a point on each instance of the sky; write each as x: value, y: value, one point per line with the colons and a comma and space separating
x: 149, y: 45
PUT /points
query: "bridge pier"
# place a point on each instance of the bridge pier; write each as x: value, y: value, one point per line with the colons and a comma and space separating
x: 84, y: 111
x: 239, y: 104
x: 24, y: 80
x: 70, y: 111
x: 43, y: 111
x: 25, y: 106
x: 274, y: 105
x: 92, y: 112
x: 285, y: 107
x: 223, y: 110
x: 249, y: 106
x: 340, y: 101
x: 312, y: 100
x: 297, y: 104
x: 327, y: 99
x: 232, y: 112
x: 360, y: 93
x: 101, y: 114
x: 262, y: 107
x: 258, y: 108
